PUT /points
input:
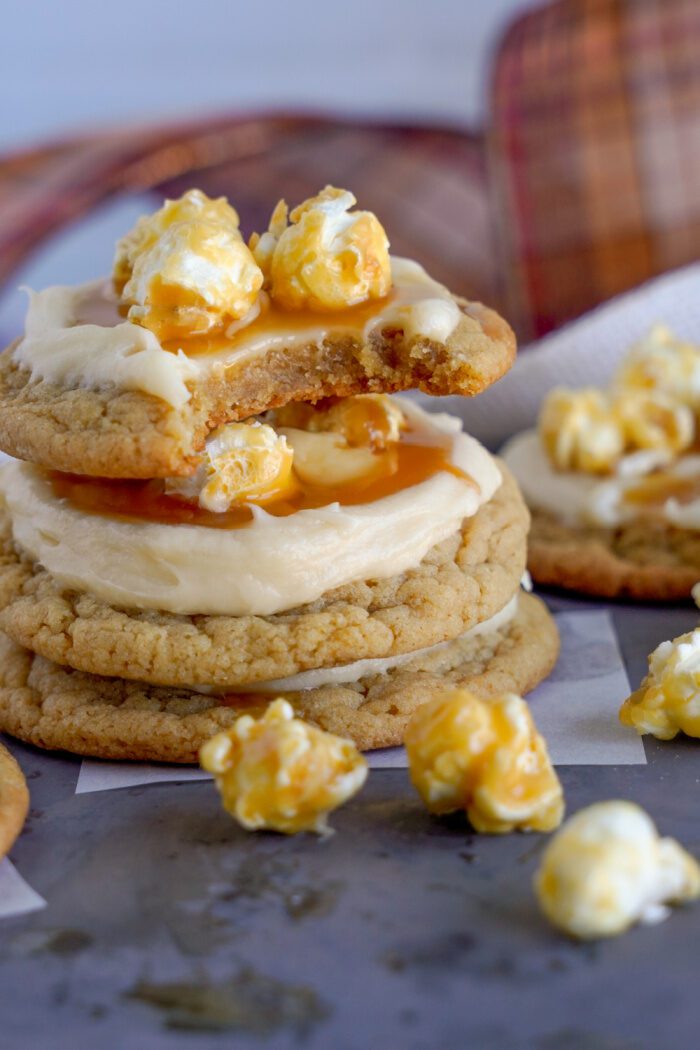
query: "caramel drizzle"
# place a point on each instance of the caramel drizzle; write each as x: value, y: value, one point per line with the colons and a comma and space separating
x: 655, y: 490
x: 409, y: 463
x: 275, y: 324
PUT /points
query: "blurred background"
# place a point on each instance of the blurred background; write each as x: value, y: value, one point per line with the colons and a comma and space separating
x: 541, y: 157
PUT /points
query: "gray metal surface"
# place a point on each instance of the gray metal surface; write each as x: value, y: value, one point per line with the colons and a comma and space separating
x: 168, y: 926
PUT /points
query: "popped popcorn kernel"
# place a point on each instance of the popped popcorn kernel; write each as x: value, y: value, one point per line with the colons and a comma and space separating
x: 243, y: 463
x: 607, y: 868
x: 663, y: 362
x: 591, y: 430
x: 652, y: 420
x: 322, y: 256
x: 668, y: 700
x: 579, y: 431
x: 186, y: 271
x: 487, y: 758
x: 364, y: 421
x: 342, y: 442
x: 280, y: 773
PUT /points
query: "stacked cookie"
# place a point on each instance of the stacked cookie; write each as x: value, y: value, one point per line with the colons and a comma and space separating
x: 220, y: 502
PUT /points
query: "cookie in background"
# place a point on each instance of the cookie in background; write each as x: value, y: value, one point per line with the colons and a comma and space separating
x: 612, y: 478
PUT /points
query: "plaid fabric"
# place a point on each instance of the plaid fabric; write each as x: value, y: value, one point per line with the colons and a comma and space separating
x: 594, y: 153
x: 428, y: 186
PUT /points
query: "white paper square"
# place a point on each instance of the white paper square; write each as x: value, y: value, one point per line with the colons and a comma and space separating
x: 16, y: 896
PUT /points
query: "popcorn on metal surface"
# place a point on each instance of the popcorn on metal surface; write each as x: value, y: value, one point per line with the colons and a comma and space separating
x: 607, y: 869
x: 668, y: 700
x: 281, y: 773
x: 486, y: 757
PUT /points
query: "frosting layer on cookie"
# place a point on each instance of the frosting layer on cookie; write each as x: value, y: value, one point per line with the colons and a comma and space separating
x: 75, y: 335
x: 645, y: 485
x: 272, y: 564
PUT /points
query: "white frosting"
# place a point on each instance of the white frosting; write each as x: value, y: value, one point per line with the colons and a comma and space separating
x: 273, y: 564
x: 579, y: 498
x: 58, y: 348
x: 363, y: 668
x: 61, y: 347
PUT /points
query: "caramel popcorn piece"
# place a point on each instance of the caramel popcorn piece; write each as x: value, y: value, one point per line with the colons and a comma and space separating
x: 487, y: 758
x: 591, y: 430
x: 186, y: 271
x: 663, y: 362
x: 349, y: 440
x: 323, y: 256
x: 607, y: 868
x: 579, y: 431
x: 668, y: 700
x: 651, y: 420
x: 243, y: 463
x: 280, y: 773
x: 364, y: 421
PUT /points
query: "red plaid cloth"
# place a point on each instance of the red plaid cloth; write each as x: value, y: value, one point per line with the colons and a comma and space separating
x: 427, y: 185
x: 594, y: 150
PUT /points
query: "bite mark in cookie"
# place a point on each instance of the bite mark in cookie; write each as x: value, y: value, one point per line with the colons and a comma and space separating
x: 127, y: 381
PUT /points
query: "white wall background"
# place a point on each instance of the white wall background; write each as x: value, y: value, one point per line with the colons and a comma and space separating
x: 70, y: 64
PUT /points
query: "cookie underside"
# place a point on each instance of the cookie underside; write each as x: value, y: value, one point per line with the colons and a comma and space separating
x: 53, y: 707
x: 639, y: 560
x: 461, y: 582
x: 128, y: 434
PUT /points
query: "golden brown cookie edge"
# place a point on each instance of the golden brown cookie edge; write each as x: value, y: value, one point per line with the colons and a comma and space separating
x: 587, y: 565
x: 53, y: 708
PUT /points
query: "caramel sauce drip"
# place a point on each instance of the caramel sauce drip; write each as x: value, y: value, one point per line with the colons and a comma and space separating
x: 654, y: 490
x: 410, y: 463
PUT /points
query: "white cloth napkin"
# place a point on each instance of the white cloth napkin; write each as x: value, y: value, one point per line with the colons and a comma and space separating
x: 583, y: 353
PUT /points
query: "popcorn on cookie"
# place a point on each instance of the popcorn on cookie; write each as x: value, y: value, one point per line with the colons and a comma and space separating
x: 591, y: 430
x: 486, y: 757
x: 186, y: 270
x: 322, y: 255
x: 662, y: 362
x: 607, y: 868
x: 281, y: 773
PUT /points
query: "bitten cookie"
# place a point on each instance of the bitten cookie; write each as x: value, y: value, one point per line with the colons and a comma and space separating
x: 130, y: 434
x: 52, y: 707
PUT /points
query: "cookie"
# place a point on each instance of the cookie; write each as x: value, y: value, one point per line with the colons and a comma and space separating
x: 52, y: 707
x: 640, y: 560
x: 127, y: 434
x: 462, y: 581
x: 14, y: 800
